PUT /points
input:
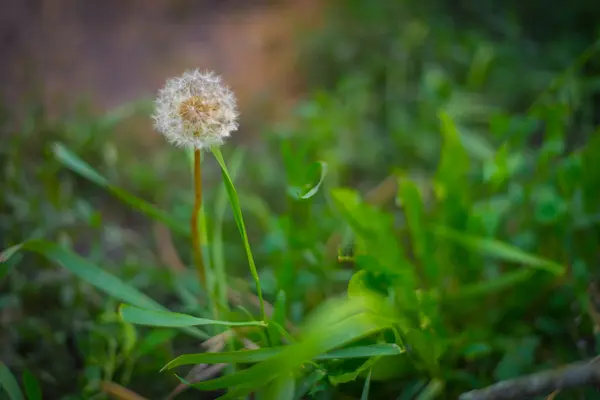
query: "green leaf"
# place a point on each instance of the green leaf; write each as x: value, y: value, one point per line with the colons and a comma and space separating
x: 254, y: 356
x: 503, y: 282
x: 309, y: 190
x: 140, y: 316
x: 80, y: 167
x: 309, y: 383
x: 375, y: 233
x: 282, y: 388
x: 366, y: 388
x: 374, y: 350
x: 432, y: 390
x: 129, y: 337
x: 409, y: 197
x: 347, y: 320
x: 454, y: 160
x: 9, y: 383
x: 239, y: 219
x: 32, y: 386
x: 427, y: 345
x: 500, y: 250
x: 352, y: 375
x: 217, y: 249
x: 278, y: 317
x: 93, y: 275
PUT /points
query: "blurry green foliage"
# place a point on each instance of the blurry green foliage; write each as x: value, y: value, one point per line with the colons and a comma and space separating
x: 474, y: 269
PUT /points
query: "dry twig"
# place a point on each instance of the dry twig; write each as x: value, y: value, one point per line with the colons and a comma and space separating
x: 541, y: 383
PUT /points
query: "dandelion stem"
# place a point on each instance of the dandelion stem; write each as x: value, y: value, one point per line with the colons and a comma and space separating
x: 196, y: 242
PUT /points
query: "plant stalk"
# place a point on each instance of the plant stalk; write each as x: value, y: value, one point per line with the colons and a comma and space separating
x: 196, y: 238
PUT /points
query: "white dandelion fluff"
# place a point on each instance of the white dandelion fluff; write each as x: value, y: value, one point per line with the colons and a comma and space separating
x: 195, y: 110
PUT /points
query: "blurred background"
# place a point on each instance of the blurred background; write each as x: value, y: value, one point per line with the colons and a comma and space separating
x: 357, y: 84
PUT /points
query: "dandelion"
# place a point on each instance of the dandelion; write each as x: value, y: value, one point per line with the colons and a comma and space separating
x: 196, y: 110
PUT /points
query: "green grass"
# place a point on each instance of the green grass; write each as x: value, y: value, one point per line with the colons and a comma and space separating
x: 470, y: 263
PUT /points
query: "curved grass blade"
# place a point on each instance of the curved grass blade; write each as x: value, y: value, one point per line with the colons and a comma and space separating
x: 366, y: 387
x: 77, y: 165
x: 254, y: 356
x: 93, y: 275
x: 217, y: 249
x: 239, y: 219
x: 168, y: 319
x: 9, y: 383
x: 310, y: 190
x: 500, y: 250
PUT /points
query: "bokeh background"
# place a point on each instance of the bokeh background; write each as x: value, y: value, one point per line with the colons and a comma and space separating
x: 358, y: 84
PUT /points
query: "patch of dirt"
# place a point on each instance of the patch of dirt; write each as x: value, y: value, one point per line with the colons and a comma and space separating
x: 114, y: 51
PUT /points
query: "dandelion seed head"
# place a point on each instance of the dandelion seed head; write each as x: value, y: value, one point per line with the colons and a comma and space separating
x: 195, y: 110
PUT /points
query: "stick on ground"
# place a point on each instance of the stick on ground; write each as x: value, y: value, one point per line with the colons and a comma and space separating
x: 541, y: 383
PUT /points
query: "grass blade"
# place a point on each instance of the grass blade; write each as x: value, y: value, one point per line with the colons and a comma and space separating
x: 254, y: 356
x: 75, y: 164
x: 500, y: 250
x: 432, y: 390
x: 239, y: 219
x: 309, y: 190
x: 93, y: 275
x: 503, y: 282
x: 366, y: 388
x: 9, y: 383
x: 32, y: 386
x: 168, y: 319
x: 308, y: 383
x: 356, y: 318
x: 282, y: 388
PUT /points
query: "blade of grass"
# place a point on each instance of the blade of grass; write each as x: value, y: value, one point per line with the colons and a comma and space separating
x: 410, y: 198
x: 278, y: 317
x: 93, y: 275
x: 432, y: 390
x: 237, y: 212
x: 254, y: 356
x: 218, y: 252
x: 366, y: 388
x: 32, y: 386
x: 503, y: 282
x: 282, y: 388
x: 347, y: 320
x: 75, y: 164
x: 500, y: 250
x: 308, y: 383
x: 140, y: 316
x: 9, y: 383
x: 310, y: 190
x: 293, y: 356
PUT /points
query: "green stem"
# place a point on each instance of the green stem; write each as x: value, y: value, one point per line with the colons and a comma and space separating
x: 196, y: 235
